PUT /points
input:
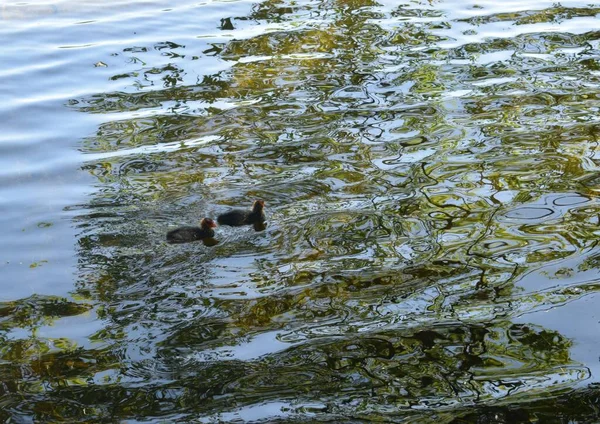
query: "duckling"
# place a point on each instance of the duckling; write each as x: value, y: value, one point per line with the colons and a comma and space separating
x: 188, y: 233
x: 238, y: 217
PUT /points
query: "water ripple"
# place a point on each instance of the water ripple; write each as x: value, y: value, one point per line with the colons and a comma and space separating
x: 430, y: 175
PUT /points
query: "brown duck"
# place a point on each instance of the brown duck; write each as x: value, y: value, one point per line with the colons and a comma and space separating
x: 239, y: 217
x: 188, y: 233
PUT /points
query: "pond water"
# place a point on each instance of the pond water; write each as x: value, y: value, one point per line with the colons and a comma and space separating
x: 430, y: 171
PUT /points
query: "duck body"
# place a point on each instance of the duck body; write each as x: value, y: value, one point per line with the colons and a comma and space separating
x: 188, y: 233
x: 239, y: 217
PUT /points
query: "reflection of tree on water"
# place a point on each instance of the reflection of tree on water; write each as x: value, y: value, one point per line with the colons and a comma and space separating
x: 387, y: 274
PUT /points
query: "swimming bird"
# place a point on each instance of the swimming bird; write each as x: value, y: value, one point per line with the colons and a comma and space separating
x: 188, y: 233
x: 238, y: 217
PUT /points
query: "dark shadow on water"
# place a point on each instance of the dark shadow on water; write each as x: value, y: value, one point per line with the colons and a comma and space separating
x: 211, y: 241
x: 259, y: 226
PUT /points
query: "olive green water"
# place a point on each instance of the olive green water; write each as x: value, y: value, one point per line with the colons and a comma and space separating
x: 430, y: 171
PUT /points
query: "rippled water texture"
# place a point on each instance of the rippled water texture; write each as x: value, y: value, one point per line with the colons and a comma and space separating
x: 430, y: 171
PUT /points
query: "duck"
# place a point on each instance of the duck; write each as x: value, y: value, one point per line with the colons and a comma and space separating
x: 188, y: 233
x: 239, y: 217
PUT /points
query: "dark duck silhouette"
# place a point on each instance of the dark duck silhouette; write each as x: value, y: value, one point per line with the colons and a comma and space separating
x: 187, y: 234
x: 239, y: 217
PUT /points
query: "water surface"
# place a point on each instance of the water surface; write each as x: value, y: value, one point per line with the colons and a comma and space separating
x: 430, y: 173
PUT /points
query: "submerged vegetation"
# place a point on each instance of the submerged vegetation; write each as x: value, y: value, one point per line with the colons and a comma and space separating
x: 431, y: 176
